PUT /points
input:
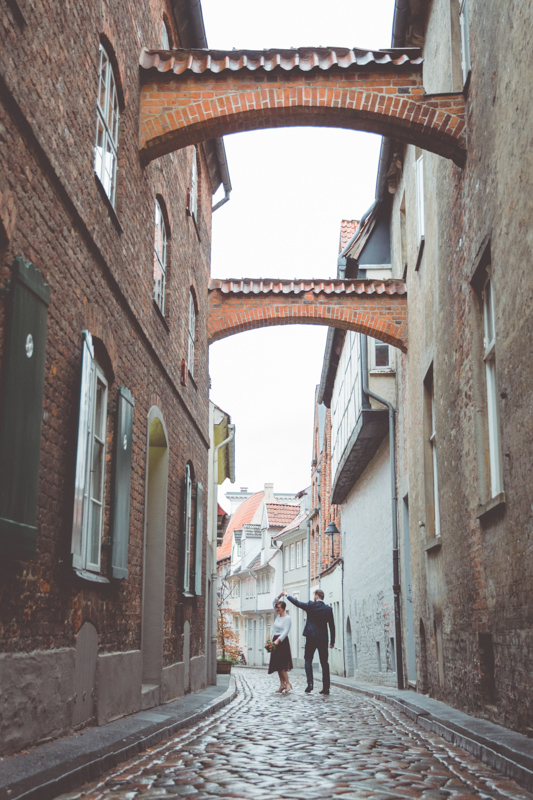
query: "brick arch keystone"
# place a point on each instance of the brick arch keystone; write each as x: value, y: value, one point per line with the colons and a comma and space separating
x: 188, y: 96
x: 375, y: 308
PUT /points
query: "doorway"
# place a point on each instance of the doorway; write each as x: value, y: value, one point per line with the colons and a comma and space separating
x: 154, y: 551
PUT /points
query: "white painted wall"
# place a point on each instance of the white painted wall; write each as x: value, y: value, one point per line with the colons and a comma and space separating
x: 368, y: 596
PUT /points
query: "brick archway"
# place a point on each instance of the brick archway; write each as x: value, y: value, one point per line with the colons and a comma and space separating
x: 375, y: 308
x: 189, y: 96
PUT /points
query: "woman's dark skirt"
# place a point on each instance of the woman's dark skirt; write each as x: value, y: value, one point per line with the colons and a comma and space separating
x: 281, y: 658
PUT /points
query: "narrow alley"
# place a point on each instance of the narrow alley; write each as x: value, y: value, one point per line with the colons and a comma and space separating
x: 265, y: 745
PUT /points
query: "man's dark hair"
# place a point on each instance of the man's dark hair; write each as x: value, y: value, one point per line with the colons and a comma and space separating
x: 320, y: 593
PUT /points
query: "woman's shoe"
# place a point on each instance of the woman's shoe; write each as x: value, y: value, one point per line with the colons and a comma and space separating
x: 280, y: 690
x: 288, y: 687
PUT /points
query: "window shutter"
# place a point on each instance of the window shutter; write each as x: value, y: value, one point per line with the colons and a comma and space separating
x: 22, y: 411
x: 187, y: 543
x: 199, y: 538
x: 122, y: 483
x: 80, y: 476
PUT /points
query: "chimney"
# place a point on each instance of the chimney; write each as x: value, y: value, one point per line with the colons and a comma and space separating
x: 269, y: 493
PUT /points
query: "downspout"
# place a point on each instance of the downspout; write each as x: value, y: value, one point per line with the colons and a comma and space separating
x: 214, y: 576
x: 394, y: 504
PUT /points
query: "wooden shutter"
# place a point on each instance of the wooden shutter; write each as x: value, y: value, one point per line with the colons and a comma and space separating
x: 80, y: 475
x: 122, y: 483
x: 199, y: 535
x: 22, y: 411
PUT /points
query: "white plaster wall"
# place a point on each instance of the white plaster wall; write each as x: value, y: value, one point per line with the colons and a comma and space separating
x: 332, y: 587
x: 367, y: 549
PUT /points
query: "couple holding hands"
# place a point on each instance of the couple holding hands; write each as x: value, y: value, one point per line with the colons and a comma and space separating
x: 319, y: 618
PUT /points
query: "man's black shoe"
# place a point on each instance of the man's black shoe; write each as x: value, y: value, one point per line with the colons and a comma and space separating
x: 308, y: 689
x: 324, y: 691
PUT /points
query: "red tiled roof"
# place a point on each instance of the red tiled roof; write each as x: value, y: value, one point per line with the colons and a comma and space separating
x: 326, y: 286
x: 302, y: 58
x: 220, y: 511
x: 244, y: 514
x: 292, y: 526
x: 348, y: 229
x: 280, y: 515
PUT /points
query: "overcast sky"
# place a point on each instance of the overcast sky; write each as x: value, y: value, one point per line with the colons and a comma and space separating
x: 291, y: 189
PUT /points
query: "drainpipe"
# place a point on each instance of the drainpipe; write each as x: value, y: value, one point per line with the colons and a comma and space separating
x: 394, y: 504
x: 214, y: 577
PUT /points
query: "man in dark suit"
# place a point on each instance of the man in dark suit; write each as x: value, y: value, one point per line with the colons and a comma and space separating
x: 319, y: 617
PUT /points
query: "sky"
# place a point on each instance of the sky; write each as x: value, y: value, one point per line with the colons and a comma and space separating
x: 291, y: 189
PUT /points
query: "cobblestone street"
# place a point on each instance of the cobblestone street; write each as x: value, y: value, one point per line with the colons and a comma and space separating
x: 266, y: 745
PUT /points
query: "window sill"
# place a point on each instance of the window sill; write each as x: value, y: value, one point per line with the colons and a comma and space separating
x: 420, y: 253
x: 486, y: 510
x: 111, y: 209
x: 94, y: 577
x: 433, y: 545
x: 161, y: 316
x: 188, y: 594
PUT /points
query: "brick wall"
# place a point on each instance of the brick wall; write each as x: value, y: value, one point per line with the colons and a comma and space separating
x: 98, y: 262
x: 472, y: 591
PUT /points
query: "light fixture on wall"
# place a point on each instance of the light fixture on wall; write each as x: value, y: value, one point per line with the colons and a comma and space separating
x: 332, y: 531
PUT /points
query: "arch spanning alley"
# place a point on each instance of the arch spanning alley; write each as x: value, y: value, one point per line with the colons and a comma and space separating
x: 189, y: 96
x: 375, y: 308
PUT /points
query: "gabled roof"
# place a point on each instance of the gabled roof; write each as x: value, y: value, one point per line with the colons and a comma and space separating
x: 245, y: 513
x: 255, y: 562
x: 281, y: 515
x: 294, y: 525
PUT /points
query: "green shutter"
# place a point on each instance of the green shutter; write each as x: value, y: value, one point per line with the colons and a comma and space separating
x: 199, y: 538
x: 80, y: 476
x: 22, y: 410
x: 122, y: 483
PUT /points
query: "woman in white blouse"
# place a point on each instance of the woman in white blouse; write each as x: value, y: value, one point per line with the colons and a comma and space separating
x: 280, y: 657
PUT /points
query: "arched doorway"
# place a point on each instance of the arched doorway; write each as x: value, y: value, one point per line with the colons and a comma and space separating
x: 154, y: 557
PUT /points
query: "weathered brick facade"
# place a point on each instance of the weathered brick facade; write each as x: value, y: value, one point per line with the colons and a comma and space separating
x: 472, y: 573
x: 98, y: 261
x: 321, y: 550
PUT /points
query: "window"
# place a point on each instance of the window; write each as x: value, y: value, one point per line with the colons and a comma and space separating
x: 90, y: 463
x: 107, y: 118
x: 192, y: 332
x: 298, y: 555
x: 286, y: 557
x: 489, y: 347
x: 160, y: 258
x: 236, y: 625
x: 292, y: 556
x: 430, y: 459
x: 380, y: 356
x: 192, y: 194
x: 304, y: 552
x: 420, y: 209
x: 466, y: 64
x: 165, y: 40
x: 187, y: 532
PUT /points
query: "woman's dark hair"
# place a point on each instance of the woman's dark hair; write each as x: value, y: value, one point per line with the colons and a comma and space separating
x: 281, y: 603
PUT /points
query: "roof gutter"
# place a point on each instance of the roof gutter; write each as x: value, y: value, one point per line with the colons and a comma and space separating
x: 193, y: 35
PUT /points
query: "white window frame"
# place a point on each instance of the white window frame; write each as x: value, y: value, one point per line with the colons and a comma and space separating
x: 433, y: 446
x: 90, y: 461
x: 489, y: 347
x: 188, y: 525
x: 160, y: 257
x: 192, y: 333
x: 304, y: 552
x: 292, y: 555
x: 193, y: 191
x: 420, y: 205
x: 466, y: 63
x: 375, y: 343
x: 286, y: 557
x: 107, y: 123
x: 298, y: 554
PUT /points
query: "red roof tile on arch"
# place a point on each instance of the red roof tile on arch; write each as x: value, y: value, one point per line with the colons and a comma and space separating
x: 243, y: 515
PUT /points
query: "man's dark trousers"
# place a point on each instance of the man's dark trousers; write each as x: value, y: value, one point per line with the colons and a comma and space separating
x: 311, y: 645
